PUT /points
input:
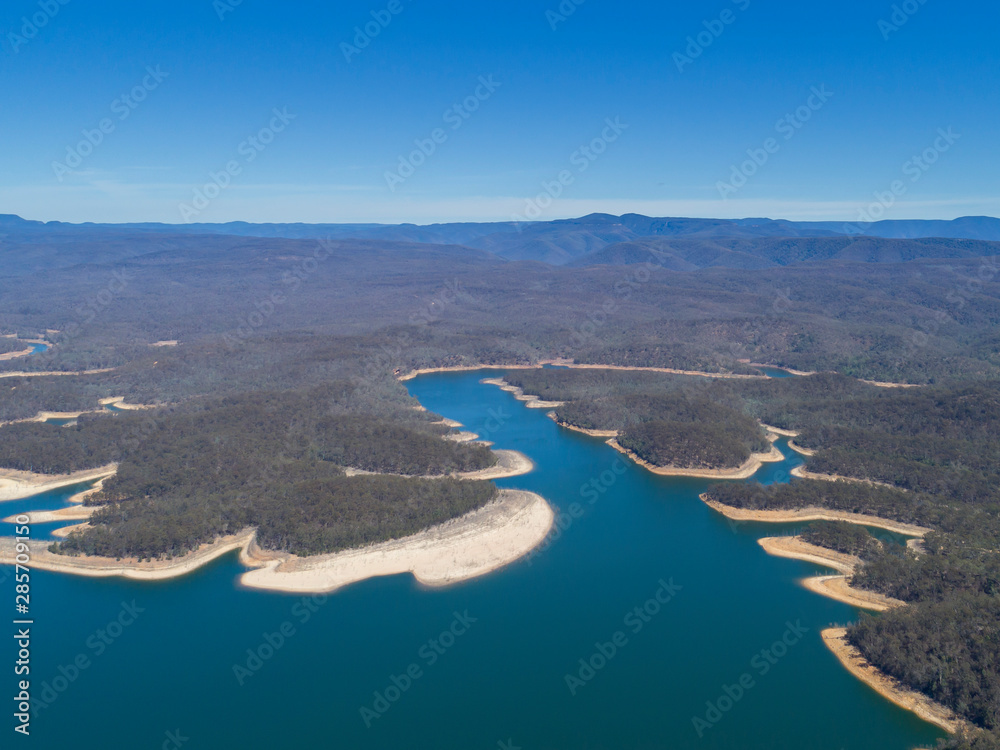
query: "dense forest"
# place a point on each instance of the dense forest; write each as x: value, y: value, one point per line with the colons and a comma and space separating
x: 934, y: 452
x: 285, y: 375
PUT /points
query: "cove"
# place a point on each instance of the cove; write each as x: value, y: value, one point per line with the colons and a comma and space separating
x: 665, y: 611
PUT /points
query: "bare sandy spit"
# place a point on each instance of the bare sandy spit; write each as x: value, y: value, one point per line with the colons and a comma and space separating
x: 463, y: 368
x: 832, y: 586
x: 473, y: 545
x: 747, y: 470
x: 813, y: 514
x: 171, y: 342
x: 584, y: 430
x: 478, y: 543
x: 21, y: 374
x: 836, y: 640
x: 532, y: 402
x: 18, y: 485
x: 509, y: 464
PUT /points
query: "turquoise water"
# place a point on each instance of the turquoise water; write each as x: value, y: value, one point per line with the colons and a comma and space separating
x: 776, y: 372
x: 503, y: 679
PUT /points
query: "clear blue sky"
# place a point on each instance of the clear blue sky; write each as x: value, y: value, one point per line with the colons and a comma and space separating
x: 354, y: 119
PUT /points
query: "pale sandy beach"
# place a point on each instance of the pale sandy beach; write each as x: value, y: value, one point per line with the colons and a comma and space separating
x: 532, y: 402
x: 52, y: 373
x: 18, y: 485
x: 921, y: 705
x: 832, y: 586
x: 475, y: 544
x: 813, y: 514
x: 747, y: 470
x: 509, y: 464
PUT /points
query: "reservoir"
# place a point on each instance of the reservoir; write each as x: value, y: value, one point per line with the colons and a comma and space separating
x: 646, y: 621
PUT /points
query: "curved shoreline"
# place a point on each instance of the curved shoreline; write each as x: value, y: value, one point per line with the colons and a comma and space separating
x: 836, y: 587
x: 814, y: 514
x: 22, y: 374
x: 532, y: 402
x: 468, y: 547
x: 509, y: 464
x: 888, y: 687
x: 747, y: 470
x: 472, y: 545
x: 20, y: 485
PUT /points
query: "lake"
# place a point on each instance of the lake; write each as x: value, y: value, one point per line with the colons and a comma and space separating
x: 723, y: 652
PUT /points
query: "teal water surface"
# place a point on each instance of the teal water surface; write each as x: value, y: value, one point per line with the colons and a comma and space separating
x: 379, y: 665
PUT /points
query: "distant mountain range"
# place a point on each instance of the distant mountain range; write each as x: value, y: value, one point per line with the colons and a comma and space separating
x: 602, y: 239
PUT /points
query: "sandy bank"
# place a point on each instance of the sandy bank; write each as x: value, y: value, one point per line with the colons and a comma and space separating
x: 813, y: 514
x: 532, y: 402
x: 669, y: 371
x: 800, y: 450
x: 461, y: 437
x: 473, y: 545
x: 171, y: 342
x: 584, y: 430
x: 21, y: 374
x: 779, y: 431
x: 72, y: 513
x: 887, y: 687
x: 18, y: 485
x: 509, y: 464
x: 463, y: 548
x: 747, y: 470
x: 103, y: 567
x: 65, y: 531
x: 463, y: 368
x: 834, y: 587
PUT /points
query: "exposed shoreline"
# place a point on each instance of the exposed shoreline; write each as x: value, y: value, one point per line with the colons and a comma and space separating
x: 888, y: 687
x: 509, y: 464
x: 835, y: 587
x: 20, y: 485
x: 814, y: 514
x: 532, y: 402
x: 473, y: 545
x: 22, y: 374
x: 747, y: 470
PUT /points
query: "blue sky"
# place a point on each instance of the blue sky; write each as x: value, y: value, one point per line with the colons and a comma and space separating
x: 187, y: 95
